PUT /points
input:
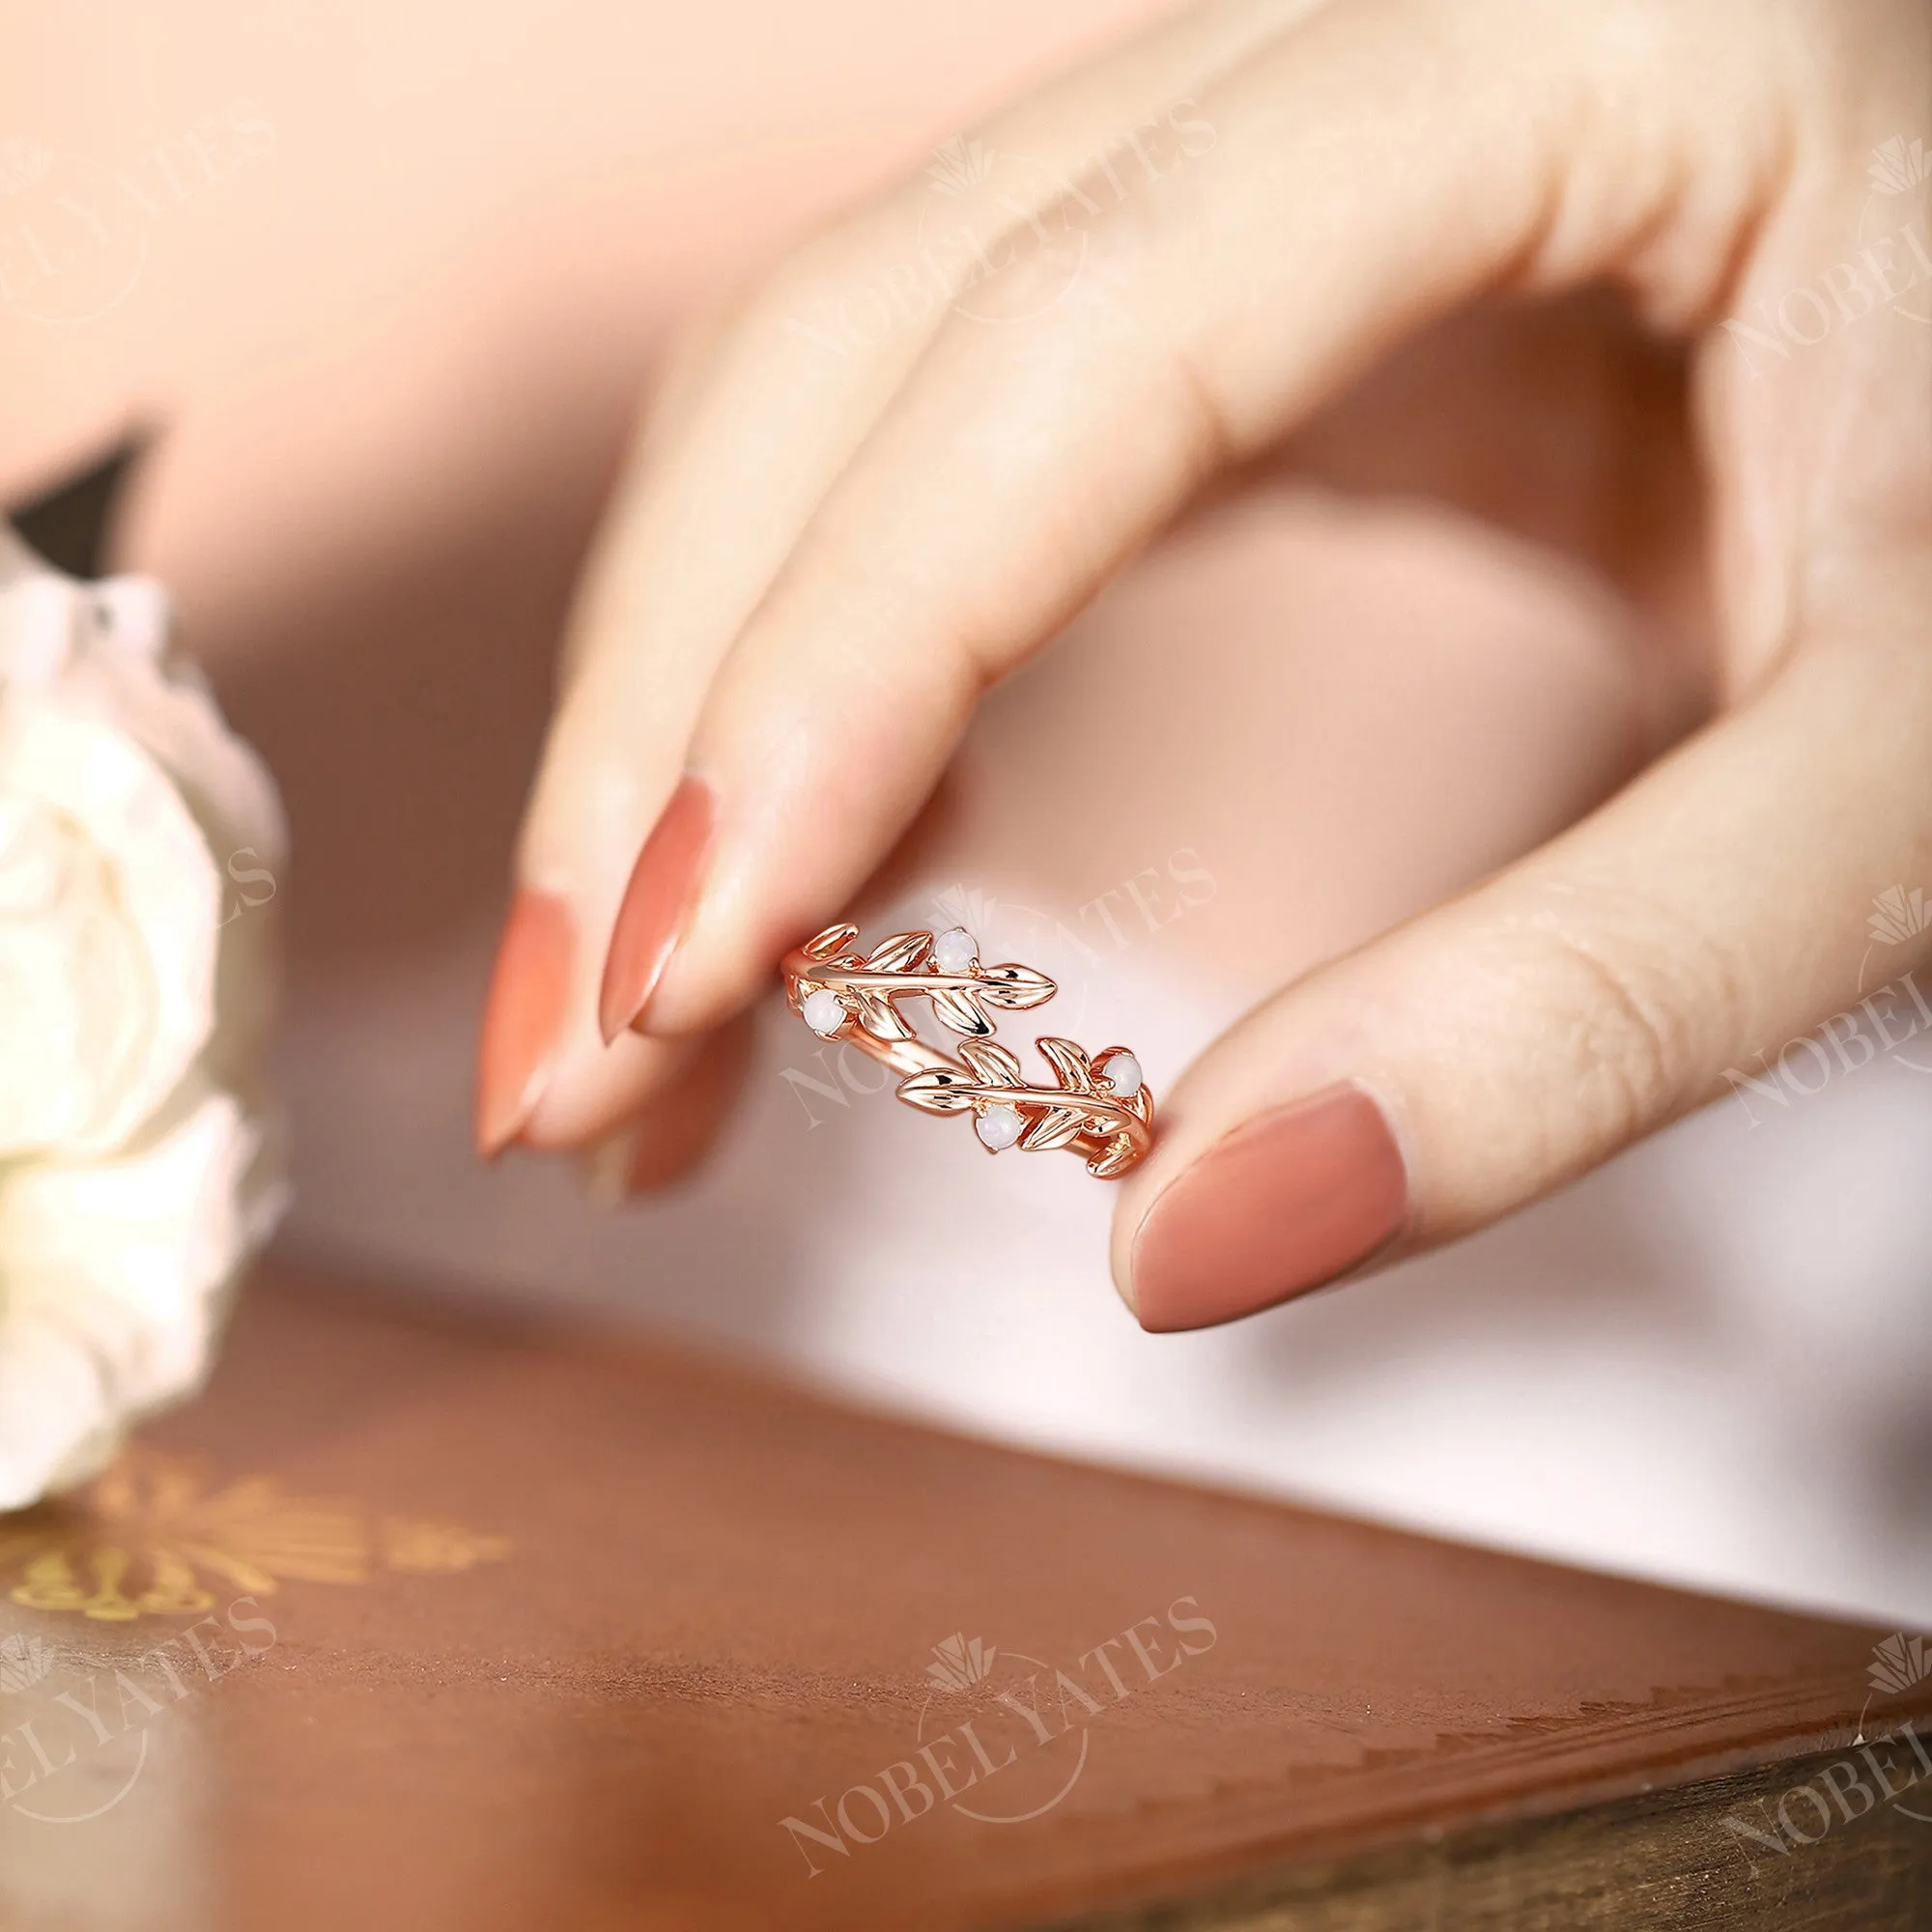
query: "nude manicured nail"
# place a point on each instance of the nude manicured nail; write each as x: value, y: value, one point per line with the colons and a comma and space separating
x: 524, y: 1017
x: 1281, y: 1205
x: 657, y: 904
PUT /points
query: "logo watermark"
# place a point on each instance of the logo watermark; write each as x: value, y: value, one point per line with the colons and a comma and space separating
x: 254, y: 885
x: 1876, y: 1771
x: 93, y: 1733
x: 1881, y: 1023
x: 24, y: 1660
x: 1889, y: 265
x: 987, y: 210
x: 75, y: 236
x: 1012, y: 1728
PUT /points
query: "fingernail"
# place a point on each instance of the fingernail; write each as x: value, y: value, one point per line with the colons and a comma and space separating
x: 1283, y: 1204
x: 524, y: 1017
x: 657, y: 904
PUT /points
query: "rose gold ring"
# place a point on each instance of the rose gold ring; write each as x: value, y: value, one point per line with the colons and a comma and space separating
x: 1101, y: 1108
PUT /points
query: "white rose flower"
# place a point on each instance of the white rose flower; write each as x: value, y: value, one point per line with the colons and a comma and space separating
x: 139, y: 844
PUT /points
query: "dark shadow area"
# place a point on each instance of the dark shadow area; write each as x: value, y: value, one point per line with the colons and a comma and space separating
x: 70, y: 524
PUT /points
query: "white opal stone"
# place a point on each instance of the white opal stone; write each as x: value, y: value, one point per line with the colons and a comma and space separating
x: 1000, y: 1127
x: 823, y: 1013
x: 1124, y: 1071
x: 954, y: 951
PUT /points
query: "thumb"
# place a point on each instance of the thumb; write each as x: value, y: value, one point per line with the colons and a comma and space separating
x: 1498, y: 1046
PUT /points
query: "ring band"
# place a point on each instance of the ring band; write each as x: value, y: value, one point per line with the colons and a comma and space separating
x: 1099, y: 1108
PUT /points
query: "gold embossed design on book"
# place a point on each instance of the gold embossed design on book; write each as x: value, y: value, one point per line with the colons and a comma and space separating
x: 152, y: 1534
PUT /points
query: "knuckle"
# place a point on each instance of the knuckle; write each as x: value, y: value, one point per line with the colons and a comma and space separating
x: 1628, y: 1003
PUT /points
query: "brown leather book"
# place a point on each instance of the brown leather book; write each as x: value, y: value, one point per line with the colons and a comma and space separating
x: 422, y: 1621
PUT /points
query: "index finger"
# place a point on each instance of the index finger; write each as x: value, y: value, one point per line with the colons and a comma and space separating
x: 1361, y: 174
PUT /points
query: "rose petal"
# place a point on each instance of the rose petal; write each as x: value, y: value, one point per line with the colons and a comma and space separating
x: 116, y: 1280
x: 139, y: 913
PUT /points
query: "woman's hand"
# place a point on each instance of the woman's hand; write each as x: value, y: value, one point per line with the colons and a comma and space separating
x: 909, y: 457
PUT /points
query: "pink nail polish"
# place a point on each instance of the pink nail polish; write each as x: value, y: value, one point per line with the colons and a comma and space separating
x: 657, y: 905
x: 524, y: 1017
x: 1279, y: 1205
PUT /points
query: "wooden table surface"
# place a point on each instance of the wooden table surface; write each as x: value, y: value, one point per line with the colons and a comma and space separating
x: 423, y: 1621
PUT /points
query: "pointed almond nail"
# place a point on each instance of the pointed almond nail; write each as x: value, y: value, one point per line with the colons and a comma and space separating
x: 657, y: 907
x: 1283, y: 1204
x: 524, y: 1017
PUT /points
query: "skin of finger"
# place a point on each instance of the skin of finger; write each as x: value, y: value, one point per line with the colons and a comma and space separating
x: 1717, y: 914
x: 668, y: 1142
x: 638, y: 1065
x: 1019, y: 465
x: 1327, y: 796
x: 1814, y: 455
x: 1704, y: 918
x: 758, y: 416
x: 1632, y: 1074
x: 673, y: 568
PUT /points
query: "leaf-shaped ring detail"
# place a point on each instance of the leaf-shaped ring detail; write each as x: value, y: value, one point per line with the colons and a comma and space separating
x: 1098, y: 1106
x: 903, y: 965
